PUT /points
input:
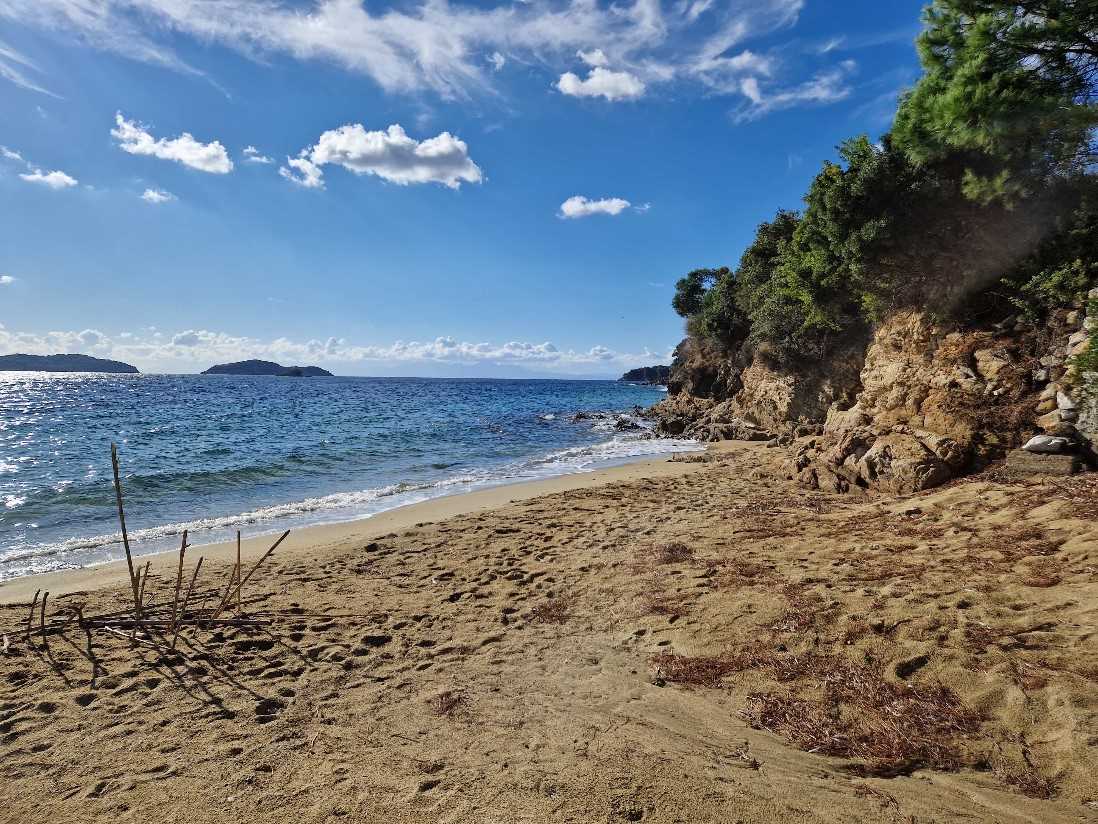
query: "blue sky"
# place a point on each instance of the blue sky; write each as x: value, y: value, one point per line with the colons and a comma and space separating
x: 553, y: 169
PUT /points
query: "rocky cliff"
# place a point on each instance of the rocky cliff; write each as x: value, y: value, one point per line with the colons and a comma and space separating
x: 916, y: 404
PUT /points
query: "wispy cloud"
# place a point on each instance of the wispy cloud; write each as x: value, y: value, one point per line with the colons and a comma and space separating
x: 157, y: 196
x: 455, y: 49
x: 253, y: 155
x: 14, y: 66
x: 6, y: 280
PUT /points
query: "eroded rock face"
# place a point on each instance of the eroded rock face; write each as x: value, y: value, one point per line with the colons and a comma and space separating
x: 937, y: 402
x: 923, y: 402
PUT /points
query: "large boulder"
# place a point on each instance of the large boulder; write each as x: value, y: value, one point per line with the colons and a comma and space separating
x: 901, y: 464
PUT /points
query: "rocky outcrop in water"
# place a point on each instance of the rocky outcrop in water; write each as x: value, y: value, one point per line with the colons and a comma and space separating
x: 262, y: 367
x: 63, y: 363
x: 654, y: 375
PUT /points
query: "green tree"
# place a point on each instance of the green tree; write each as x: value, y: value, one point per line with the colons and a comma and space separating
x: 1009, y: 90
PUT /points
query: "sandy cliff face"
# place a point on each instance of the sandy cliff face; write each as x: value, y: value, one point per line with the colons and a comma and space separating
x: 923, y: 402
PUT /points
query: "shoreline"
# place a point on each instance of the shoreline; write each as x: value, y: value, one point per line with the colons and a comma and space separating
x: 319, y: 537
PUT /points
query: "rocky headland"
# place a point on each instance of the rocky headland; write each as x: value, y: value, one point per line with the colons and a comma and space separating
x: 917, y: 403
x: 63, y: 363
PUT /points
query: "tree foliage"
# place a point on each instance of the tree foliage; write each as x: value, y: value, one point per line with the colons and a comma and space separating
x: 985, y: 185
x: 1010, y: 88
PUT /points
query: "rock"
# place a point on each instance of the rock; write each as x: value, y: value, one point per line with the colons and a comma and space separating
x: 990, y: 363
x: 1052, y: 360
x: 1049, y: 420
x: 1047, y: 405
x: 673, y: 426
x: 1069, y: 415
x: 1074, y: 317
x: 902, y: 464
x: 1064, y: 430
x: 1041, y: 375
x: 1047, y: 445
x: 1049, y: 392
x: 1093, y: 294
x: 1064, y: 401
x: 1021, y: 462
x: 624, y: 424
x: 1077, y: 338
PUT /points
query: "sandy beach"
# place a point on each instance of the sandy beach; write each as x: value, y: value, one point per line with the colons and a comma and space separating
x: 669, y: 641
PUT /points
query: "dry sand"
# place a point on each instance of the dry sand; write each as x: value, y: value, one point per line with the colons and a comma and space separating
x: 668, y: 642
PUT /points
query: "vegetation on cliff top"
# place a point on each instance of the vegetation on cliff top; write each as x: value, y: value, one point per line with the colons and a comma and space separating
x: 983, y: 194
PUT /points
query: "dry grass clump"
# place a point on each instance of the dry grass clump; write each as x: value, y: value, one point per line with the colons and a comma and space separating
x: 657, y: 602
x: 892, y: 728
x: 670, y: 552
x: 740, y: 572
x: 554, y: 610
x: 1028, y: 781
x: 696, y: 670
x: 806, y: 609
x: 448, y: 702
x: 1041, y: 576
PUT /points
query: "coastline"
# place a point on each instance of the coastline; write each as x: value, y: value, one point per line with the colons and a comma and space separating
x: 318, y: 538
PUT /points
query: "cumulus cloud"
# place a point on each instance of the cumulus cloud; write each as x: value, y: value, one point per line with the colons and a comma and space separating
x: 6, y: 280
x: 198, y: 348
x: 439, y: 46
x: 253, y: 155
x: 602, y: 82
x: 578, y: 206
x: 206, y: 157
x: 391, y: 155
x: 54, y: 180
x: 157, y: 196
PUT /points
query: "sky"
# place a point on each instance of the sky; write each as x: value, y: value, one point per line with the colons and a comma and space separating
x: 425, y: 188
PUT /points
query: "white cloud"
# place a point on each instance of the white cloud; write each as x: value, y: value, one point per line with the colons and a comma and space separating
x: 157, y: 196
x: 253, y: 155
x: 54, y: 180
x: 391, y: 155
x: 6, y: 280
x: 206, y: 157
x: 578, y: 206
x: 13, y: 66
x: 593, y: 58
x: 196, y: 349
x: 11, y: 154
x: 426, y: 44
x: 602, y: 82
x: 497, y: 60
x: 826, y: 87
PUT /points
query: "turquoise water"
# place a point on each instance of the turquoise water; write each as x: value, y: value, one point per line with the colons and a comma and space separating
x: 214, y: 454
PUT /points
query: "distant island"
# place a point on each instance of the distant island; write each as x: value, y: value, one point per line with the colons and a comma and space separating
x: 264, y: 367
x: 63, y: 363
x: 648, y: 374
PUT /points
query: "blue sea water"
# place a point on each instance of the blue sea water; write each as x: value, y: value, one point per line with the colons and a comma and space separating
x: 215, y: 453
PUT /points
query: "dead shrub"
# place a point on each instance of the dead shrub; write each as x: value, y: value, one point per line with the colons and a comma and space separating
x: 554, y: 610
x: 1027, y: 780
x: 657, y: 602
x: 892, y: 728
x: 806, y: 609
x: 670, y: 552
x: 696, y: 670
x: 448, y: 702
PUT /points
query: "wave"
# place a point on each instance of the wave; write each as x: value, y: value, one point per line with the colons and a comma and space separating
x: 337, y: 507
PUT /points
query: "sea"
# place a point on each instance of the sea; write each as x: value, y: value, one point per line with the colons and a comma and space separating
x: 216, y: 453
